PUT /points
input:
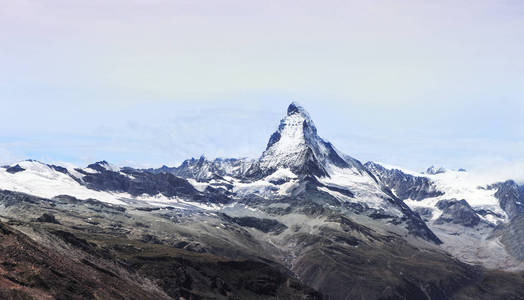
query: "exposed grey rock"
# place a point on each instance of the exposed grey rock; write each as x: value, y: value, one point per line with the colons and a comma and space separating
x: 59, y: 169
x: 15, y: 169
x: 406, y: 186
x: 486, y: 212
x: 264, y: 225
x: 434, y: 171
x: 47, y: 218
x: 138, y: 182
x: 513, y: 237
x: 296, y: 146
x: 312, y: 201
x: 425, y: 213
x: 510, y: 196
x: 457, y: 212
x: 203, y: 169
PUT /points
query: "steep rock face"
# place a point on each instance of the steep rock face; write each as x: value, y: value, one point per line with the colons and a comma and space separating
x: 405, y: 186
x: 15, y: 169
x: 470, y: 227
x: 457, y: 212
x: 513, y: 236
x: 136, y: 182
x: 491, y: 203
x: 297, y: 146
x: 510, y: 196
x: 203, y: 169
x: 313, y: 198
x: 103, y: 166
x: 108, y: 183
x: 326, y: 177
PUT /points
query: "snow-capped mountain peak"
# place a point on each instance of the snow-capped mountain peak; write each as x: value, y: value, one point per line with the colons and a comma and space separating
x: 297, y: 146
x: 294, y: 130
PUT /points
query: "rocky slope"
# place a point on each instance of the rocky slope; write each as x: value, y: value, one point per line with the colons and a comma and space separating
x: 92, y: 250
x: 468, y: 215
x: 304, y: 221
x: 89, y: 249
x: 202, y: 169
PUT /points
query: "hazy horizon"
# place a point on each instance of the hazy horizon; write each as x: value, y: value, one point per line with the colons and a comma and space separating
x: 148, y: 83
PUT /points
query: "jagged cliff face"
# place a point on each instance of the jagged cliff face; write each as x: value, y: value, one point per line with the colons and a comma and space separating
x: 203, y: 169
x: 510, y: 196
x: 404, y: 185
x: 296, y: 146
x: 314, y: 167
x: 303, y: 212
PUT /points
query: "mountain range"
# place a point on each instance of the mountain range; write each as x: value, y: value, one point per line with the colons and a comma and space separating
x: 303, y: 221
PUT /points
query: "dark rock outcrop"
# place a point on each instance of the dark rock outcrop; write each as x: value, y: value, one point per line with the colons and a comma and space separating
x: 15, y: 169
x: 510, y: 196
x: 203, y: 169
x: 457, y: 212
x: 264, y: 225
x: 47, y: 218
x: 138, y: 182
x: 434, y: 170
x: 406, y: 186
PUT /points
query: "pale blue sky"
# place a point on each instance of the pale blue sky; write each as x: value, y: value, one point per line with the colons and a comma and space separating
x: 146, y: 83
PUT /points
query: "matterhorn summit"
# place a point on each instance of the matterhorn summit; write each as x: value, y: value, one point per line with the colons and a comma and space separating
x: 296, y: 146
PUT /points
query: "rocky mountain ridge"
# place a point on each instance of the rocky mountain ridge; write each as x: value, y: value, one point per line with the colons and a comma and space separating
x: 318, y: 216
